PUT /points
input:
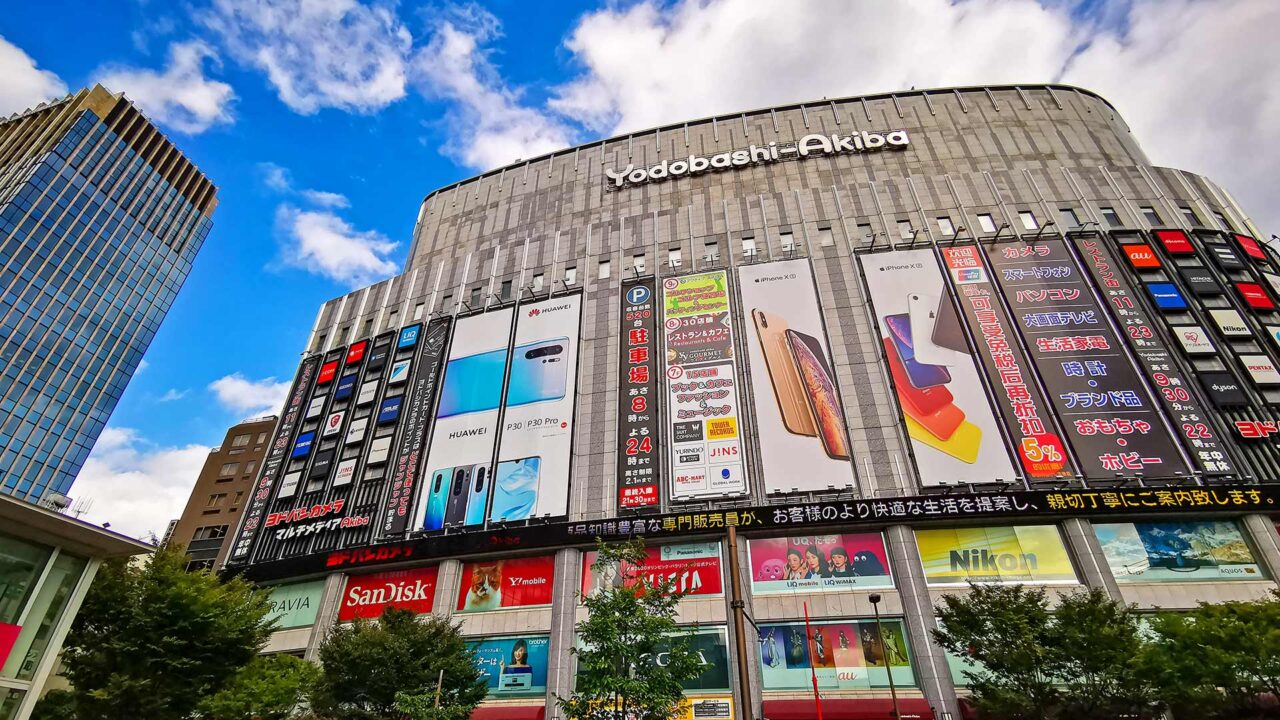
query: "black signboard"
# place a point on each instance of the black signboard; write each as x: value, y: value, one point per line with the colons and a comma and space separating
x: 1225, y: 256
x: 1223, y: 389
x: 276, y: 457
x: 1162, y: 372
x: 1200, y: 280
x: 418, y: 406
x: 378, y: 355
x: 320, y: 466
x: 639, y: 480
x: 1108, y: 415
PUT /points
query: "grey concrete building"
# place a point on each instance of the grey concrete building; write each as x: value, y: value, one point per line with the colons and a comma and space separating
x: 951, y: 168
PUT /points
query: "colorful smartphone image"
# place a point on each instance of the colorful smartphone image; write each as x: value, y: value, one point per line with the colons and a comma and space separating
x: 820, y: 393
x: 963, y: 444
x: 538, y: 372
x: 473, y: 384
x: 455, y: 511
x: 916, y: 401
x: 919, y: 374
x: 477, y: 495
x: 947, y: 330
x: 797, y: 416
x: 924, y: 324
x: 437, y: 498
x: 515, y: 491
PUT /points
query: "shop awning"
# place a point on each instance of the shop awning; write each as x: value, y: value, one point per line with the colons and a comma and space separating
x: 509, y: 712
x: 848, y: 709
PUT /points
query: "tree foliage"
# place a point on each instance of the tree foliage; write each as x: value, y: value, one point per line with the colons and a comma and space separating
x: 628, y: 625
x: 152, y: 639
x: 268, y: 688
x: 366, y: 664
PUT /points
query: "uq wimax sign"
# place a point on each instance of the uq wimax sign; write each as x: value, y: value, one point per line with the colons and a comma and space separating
x: 807, y: 146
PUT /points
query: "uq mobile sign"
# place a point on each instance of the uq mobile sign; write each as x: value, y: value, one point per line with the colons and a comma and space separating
x: 809, y: 145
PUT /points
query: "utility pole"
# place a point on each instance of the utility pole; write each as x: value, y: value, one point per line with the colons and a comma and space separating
x: 745, y: 712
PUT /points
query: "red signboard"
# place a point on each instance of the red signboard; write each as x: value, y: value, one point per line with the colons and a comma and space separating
x: 693, y: 568
x: 8, y: 638
x: 502, y: 584
x: 1250, y: 247
x: 1175, y: 242
x: 1257, y: 429
x: 366, y: 596
x: 1141, y: 257
x: 356, y: 352
x: 327, y: 371
x: 1255, y: 296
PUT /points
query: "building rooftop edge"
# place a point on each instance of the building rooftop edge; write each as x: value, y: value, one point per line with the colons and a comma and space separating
x: 44, y: 525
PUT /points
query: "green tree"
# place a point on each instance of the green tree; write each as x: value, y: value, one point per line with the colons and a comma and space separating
x: 627, y: 626
x: 152, y: 639
x: 268, y: 688
x: 366, y: 664
x: 1100, y: 657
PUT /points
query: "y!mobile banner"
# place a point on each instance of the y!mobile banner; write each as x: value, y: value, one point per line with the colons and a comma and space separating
x: 1172, y: 389
x: 1104, y: 406
x: 418, y: 404
x: 706, y: 442
x: 462, y: 441
x: 800, y: 420
x: 275, y: 458
x: 639, y: 469
x: 532, y: 478
x: 501, y: 584
x: 953, y: 432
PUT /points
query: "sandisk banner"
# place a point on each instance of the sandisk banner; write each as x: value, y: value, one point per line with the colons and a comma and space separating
x: 275, y: 458
x: 417, y: 406
x: 366, y: 596
x: 1172, y: 389
x: 1106, y: 412
x: 639, y: 469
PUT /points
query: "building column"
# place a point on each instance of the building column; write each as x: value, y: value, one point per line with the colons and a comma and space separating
x: 1092, y: 563
x: 1262, y: 532
x: 53, y: 650
x: 326, y: 615
x: 448, y: 578
x: 933, y: 676
x: 561, y: 664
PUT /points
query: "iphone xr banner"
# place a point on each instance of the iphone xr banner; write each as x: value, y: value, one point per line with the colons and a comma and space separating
x: 840, y: 654
x: 1107, y: 414
x: 532, y: 477
x: 800, y: 420
x: 512, y: 666
x: 418, y: 404
x: 706, y: 444
x: 953, y: 432
x: 462, y: 441
x: 639, y: 474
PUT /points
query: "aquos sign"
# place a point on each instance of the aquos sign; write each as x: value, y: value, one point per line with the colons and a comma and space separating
x: 808, y: 145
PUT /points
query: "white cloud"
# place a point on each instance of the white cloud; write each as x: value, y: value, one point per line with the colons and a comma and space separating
x: 173, y: 394
x: 325, y: 244
x: 487, y: 122
x: 280, y: 180
x: 323, y: 198
x: 22, y: 84
x: 180, y: 96
x: 318, y: 53
x: 275, y: 177
x: 250, y: 397
x: 135, y: 485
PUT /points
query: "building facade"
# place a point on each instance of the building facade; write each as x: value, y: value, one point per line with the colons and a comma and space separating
x: 224, y: 485
x: 895, y: 343
x: 100, y: 220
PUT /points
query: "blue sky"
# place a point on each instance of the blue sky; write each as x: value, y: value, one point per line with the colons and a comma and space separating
x: 325, y: 123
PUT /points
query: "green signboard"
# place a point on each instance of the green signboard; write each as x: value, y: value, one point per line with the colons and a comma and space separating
x: 295, y: 605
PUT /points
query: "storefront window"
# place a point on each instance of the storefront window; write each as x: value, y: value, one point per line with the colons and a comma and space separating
x: 10, y: 699
x: 1177, y: 551
x: 844, y: 654
x: 20, y: 566
x: 1014, y: 554
x: 46, y: 610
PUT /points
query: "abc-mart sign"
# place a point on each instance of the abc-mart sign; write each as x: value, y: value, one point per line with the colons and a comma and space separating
x: 809, y: 145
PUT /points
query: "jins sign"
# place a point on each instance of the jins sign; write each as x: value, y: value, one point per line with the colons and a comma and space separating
x: 857, y: 142
x: 367, y: 596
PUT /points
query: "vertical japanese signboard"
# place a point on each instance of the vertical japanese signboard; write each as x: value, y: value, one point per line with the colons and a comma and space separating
x: 1172, y: 389
x: 1106, y: 411
x: 1039, y: 449
x: 639, y: 477
x: 276, y: 458
x: 706, y: 446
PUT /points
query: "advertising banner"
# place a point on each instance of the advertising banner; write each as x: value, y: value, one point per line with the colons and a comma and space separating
x: 800, y: 420
x: 504, y: 584
x: 949, y: 419
x: 818, y: 563
x: 296, y: 604
x: 1031, y: 554
x: 532, y: 477
x: 711, y: 648
x: 693, y: 568
x: 1262, y: 369
x: 1172, y: 387
x: 702, y: 380
x: 419, y: 401
x: 1106, y: 412
x: 1177, y: 551
x: 639, y: 468
x: 844, y: 654
x: 513, y: 665
x: 462, y: 439
x: 276, y: 456
x: 366, y: 596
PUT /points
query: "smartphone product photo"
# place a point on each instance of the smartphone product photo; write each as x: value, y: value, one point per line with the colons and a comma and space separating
x: 788, y: 391
x: 820, y: 393
x: 515, y: 489
x: 921, y: 375
x: 539, y: 372
x: 934, y: 318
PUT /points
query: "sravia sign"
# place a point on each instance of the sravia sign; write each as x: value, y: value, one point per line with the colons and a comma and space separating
x: 808, y: 145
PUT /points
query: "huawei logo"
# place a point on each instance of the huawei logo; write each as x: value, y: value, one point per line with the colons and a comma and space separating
x: 535, y: 312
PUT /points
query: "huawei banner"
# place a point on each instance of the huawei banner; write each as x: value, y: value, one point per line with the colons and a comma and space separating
x: 841, y: 654
x: 953, y: 432
x: 1029, y: 554
x: 532, y: 477
x: 1177, y: 551
x: 706, y: 445
x: 512, y: 666
x: 418, y: 404
x: 800, y: 421
x: 639, y: 467
x: 692, y: 568
x: 818, y: 563
x: 502, y: 584
x: 366, y: 596
x: 462, y: 440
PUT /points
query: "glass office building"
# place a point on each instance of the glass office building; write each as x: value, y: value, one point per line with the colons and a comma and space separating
x: 101, y: 218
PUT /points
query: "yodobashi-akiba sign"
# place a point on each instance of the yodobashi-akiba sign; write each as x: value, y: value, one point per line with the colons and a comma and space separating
x: 808, y: 145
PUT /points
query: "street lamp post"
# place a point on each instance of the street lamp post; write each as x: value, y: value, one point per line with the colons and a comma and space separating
x: 893, y: 690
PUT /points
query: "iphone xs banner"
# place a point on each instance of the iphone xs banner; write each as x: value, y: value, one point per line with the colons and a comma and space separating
x: 532, y: 477
x: 803, y: 439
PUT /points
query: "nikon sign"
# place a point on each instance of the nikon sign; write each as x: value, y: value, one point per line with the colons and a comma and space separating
x: 808, y: 145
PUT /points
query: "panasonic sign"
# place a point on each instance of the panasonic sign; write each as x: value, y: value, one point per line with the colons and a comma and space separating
x: 760, y: 154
